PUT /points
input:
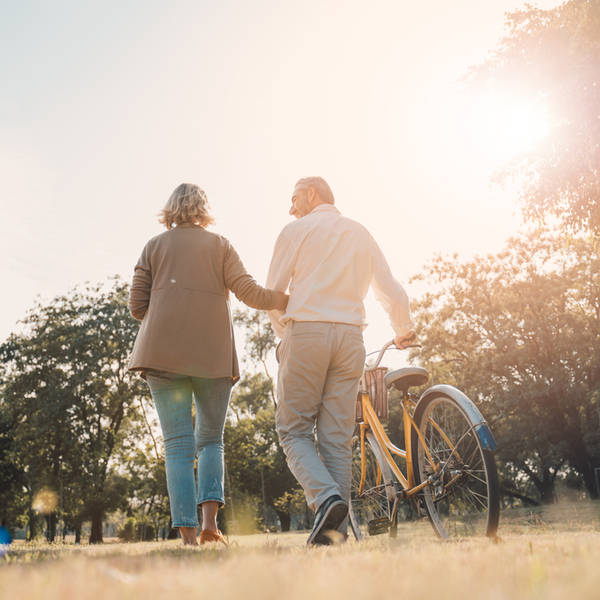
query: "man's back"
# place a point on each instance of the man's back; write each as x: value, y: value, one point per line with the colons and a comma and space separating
x: 329, y: 260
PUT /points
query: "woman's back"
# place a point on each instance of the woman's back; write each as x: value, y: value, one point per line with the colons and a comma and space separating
x: 180, y: 292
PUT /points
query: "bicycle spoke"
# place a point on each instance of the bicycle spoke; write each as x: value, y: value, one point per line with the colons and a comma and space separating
x: 459, y: 503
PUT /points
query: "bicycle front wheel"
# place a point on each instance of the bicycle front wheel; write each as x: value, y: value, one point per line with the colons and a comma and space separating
x: 463, y: 498
x: 371, y: 509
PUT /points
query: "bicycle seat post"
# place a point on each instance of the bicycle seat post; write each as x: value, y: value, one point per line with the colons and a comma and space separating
x: 363, y: 384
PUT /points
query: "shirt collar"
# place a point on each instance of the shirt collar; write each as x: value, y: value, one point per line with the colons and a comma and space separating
x: 326, y: 207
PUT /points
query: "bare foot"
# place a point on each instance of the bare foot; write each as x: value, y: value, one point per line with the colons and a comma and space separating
x: 188, y: 536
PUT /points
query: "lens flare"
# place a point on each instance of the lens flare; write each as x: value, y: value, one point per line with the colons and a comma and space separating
x: 505, y: 128
x: 45, y: 502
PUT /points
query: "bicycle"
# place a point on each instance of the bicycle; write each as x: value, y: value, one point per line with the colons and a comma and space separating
x: 450, y: 473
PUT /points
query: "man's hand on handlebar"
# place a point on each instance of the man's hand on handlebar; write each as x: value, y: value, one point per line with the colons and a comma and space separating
x: 401, y: 341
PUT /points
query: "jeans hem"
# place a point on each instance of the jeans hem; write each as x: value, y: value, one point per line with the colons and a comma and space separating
x: 209, y: 499
x: 178, y: 525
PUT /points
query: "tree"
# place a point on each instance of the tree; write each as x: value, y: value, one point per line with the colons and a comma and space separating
x: 148, y: 496
x: 518, y: 333
x: 73, y: 401
x: 255, y: 461
x: 13, y: 496
x: 550, y: 59
x: 260, y: 340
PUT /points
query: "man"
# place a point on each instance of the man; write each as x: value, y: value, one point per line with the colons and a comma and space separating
x: 328, y: 261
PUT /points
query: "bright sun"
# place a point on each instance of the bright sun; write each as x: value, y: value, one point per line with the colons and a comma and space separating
x: 504, y: 129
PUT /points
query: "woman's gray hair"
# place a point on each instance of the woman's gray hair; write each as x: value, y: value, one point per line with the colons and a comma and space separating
x: 187, y: 204
x: 321, y: 186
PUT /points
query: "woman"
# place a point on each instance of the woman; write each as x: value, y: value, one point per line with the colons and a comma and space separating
x: 185, y: 350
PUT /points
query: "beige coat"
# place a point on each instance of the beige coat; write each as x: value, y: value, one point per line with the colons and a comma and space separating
x: 180, y: 292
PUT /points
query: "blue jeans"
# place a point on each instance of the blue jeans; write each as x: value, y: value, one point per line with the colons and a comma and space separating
x: 173, y: 395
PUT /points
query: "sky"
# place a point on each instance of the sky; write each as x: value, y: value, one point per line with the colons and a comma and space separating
x: 106, y: 106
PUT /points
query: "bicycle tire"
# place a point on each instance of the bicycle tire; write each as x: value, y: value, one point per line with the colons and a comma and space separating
x: 465, y: 499
x: 370, y: 511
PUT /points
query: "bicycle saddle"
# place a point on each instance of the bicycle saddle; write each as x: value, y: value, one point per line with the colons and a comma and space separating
x: 402, y: 379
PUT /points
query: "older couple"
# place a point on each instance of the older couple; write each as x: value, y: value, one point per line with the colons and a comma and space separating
x: 185, y: 346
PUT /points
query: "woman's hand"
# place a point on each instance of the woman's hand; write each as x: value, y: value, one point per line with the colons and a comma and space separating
x: 282, y: 301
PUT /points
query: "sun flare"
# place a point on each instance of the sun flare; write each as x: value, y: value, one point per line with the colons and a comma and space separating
x: 503, y: 129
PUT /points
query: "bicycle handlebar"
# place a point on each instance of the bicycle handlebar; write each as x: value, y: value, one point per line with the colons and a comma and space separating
x: 383, y: 350
x: 380, y: 356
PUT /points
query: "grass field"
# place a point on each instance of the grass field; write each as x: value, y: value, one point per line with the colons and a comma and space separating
x: 550, y: 553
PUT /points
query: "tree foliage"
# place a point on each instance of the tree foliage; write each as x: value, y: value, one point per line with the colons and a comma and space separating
x: 76, y: 437
x: 518, y: 333
x: 260, y: 339
x: 255, y: 461
x: 147, y: 494
x: 550, y: 60
x: 13, y: 497
x: 72, y: 401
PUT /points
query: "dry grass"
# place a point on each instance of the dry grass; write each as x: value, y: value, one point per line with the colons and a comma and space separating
x: 548, y: 553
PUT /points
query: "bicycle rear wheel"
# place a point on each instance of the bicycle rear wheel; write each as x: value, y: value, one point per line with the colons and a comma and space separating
x: 463, y: 499
x: 371, y: 509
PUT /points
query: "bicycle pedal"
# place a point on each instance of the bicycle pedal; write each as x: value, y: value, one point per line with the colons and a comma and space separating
x: 379, y: 526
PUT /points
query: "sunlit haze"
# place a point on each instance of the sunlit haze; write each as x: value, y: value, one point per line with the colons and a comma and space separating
x: 505, y: 128
x: 105, y: 107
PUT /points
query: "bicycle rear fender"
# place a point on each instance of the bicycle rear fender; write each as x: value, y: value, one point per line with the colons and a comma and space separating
x: 479, y: 423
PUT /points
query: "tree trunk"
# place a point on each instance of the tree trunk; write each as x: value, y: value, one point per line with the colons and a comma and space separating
x: 583, y: 462
x: 308, y: 524
x: 544, y: 483
x: 33, y: 525
x: 96, y: 533
x: 78, y: 533
x: 589, y: 479
x: 285, y: 519
x: 173, y: 534
x: 51, y: 526
x: 548, y: 495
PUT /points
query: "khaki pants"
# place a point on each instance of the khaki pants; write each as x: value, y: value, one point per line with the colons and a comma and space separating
x: 320, y: 365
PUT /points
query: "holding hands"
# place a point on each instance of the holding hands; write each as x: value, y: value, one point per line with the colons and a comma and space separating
x: 282, y: 301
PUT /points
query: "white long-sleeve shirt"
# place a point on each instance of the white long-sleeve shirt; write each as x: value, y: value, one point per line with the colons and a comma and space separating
x: 329, y: 261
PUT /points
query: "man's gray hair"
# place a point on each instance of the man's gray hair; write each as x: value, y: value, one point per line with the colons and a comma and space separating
x: 321, y: 186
